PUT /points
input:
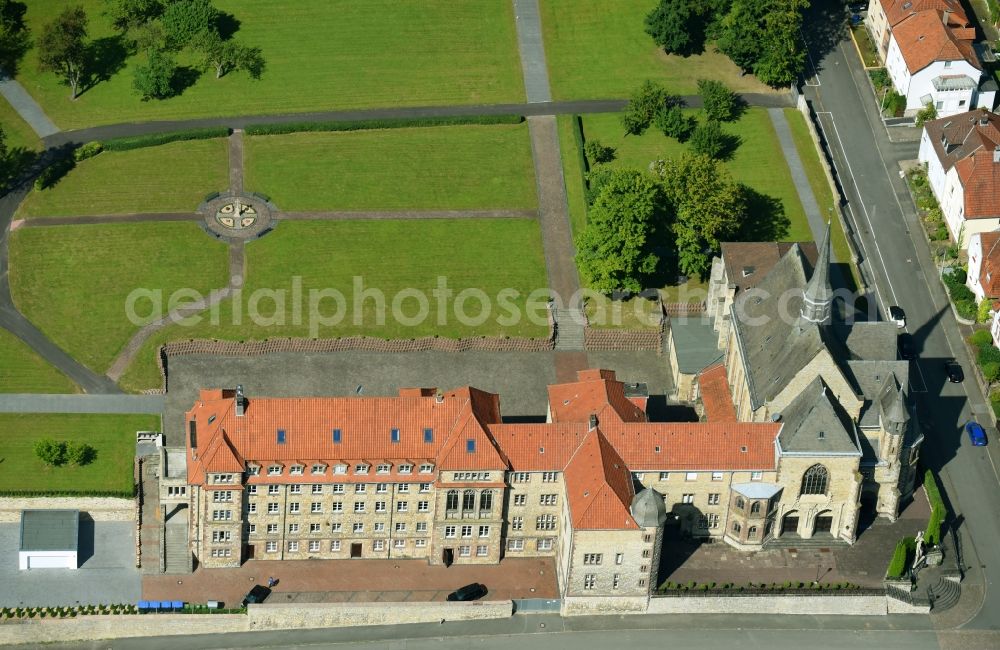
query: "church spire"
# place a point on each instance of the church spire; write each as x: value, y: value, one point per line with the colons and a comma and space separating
x: 818, y: 297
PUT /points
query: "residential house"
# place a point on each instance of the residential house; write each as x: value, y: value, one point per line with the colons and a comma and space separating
x: 962, y: 154
x: 984, y: 265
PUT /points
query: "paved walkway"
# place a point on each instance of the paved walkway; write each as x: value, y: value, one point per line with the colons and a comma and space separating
x: 104, y: 218
x: 44, y: 403
x: 27, y: 107
x: 817, y: 221
x: 532, y: 50
x: 349, y: 215
x: 236, y: 161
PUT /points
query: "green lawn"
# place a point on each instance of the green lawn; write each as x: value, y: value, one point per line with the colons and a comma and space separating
x: 572, y: 173
x: 488, y: 254
x: 112, y: 436
x: 321, y: 55
x: 26, y: 372
x: 758, y: 162
x: 172, y: 177
x: 597, y: 50
x: 448, y: 167
x: 16, y: 131
x: 73, y: 281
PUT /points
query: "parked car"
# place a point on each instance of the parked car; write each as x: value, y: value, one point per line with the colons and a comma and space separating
x: 897, y: 316
x: 256, y: 595
x: 954, y: 372
x: 976, y: 434
x: 474, y: 591
x: 907, y: 350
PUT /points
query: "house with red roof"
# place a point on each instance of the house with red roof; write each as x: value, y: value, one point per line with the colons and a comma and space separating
x: 984, y: 265
x: 929, y: 50
x: 962, y: 154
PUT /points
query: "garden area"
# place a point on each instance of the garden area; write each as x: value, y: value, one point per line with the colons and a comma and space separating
x: 891, y: 103
x: 863, y: 40
x: 72, y: 282
x: 387, y: 255
x: 434, y: 168
x: 902, y: 557
x: 597, y: 53
x: 173, y: 177
x: 319, y: 55
x: 931, y: 216
x: 109, y: 470
x: 26, y: 372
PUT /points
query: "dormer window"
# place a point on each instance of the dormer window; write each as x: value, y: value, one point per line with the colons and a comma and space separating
x: 361, y: 468
x: 383, y: 468
x: 253, y: 470
x: 426, y: 468
x: 319, y: 469
x: 297, y: 470
x: 274, y: 470
x: 405, y: 468
x: 340, y: 469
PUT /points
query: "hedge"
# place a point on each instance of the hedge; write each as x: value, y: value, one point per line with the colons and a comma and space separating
x: 898, y: 563
x: 584, y: 164
x: 938, y: 510
x: 155, y: 139
x: 387, y: 123
x: 29, y: 494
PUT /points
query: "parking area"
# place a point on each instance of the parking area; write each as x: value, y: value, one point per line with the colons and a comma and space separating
x: 334, y: 581
x: 520, y: 378
x: 107, y: 572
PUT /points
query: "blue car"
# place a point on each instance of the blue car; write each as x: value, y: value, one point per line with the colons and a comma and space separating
x: 976, y: 434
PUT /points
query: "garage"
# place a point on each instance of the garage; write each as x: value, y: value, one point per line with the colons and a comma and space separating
x: 49, y: 539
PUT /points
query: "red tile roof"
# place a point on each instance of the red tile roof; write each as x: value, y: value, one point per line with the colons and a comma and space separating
x: 694, y: 446
x: 898, y: 10
x: 715, y: 394
x: 989, y: 270
x: 598, y: 393
x: 923, y: 39
x: 599, y: 486
x: 748, y: 262
x: 980, y: 176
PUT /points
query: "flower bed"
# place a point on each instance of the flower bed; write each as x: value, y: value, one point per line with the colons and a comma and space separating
x: 753, y: 588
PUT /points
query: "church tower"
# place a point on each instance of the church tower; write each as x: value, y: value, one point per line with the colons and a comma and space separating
x: 817, y: 301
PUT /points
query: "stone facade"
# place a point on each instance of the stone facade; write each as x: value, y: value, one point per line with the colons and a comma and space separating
x: 99, y: 508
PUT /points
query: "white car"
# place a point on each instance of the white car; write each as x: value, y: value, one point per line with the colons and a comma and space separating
x: 897, y: 316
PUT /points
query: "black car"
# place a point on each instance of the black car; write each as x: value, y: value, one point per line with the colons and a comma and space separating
x: 906, y: 348
x: 256, y: 595
x: 954, y: 372
x: 474, y: 591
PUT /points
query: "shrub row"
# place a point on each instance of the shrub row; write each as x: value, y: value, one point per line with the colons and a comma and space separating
x: 64, y: 612
x: 387, y: 123
x: 28, y: 494
x: 155, y: 139
x: 88, y: 150
x: 938, y: 510
x: 961, y: 295
x: 899, y: 563
x: 753, y: 586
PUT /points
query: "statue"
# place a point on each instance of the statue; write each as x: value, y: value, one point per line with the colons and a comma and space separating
x: 920, y: 550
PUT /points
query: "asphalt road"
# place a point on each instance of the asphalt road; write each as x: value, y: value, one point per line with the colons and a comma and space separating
x: 896, y: 255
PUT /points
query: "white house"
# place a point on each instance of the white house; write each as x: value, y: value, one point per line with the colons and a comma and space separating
x: 962, y: 154
x: 984, y: 265
x: 883, y: 15
x: 931, y: 62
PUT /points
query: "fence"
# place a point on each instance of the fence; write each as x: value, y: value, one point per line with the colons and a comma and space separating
x: 536, y: 605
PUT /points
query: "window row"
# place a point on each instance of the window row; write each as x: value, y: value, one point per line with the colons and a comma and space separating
x: 452, y: 531
x: 543, y: 499
x: 468, y: 500
x: 590, y: 581
x: 337, y: 527
x: 524, y: 477
x: 341, y: 488
x: 319, y: 469
x: 314, y: 546
x: 693, y: 476
x: 544, y: 544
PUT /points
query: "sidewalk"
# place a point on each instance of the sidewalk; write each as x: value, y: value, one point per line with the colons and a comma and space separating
x: 27, y: 107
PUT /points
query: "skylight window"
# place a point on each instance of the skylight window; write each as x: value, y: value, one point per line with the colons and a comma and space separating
x: 281, y: 436
x: 428, y: 435
x: 470, y: 446
x: 336, y: 436
x: 394, y: 435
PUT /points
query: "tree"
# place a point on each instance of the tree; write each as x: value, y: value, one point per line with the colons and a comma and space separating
x: 228, y: 55
x: 719, y: 101
x: 678, y: 26
x: 155, y: 79
x: 675, y: 123
x: 598, y: 153
x: 645, y: 103
x: 926, y: 114
x: 15, y: 38
x: 184, y: 21
x: 764, y: 37
x: 6, y: 164
x: 62, y: 48
x: 708, y: 206
x: 615, y: 250
x: 51, y: 452
x: 126, y: 15
x: 80, y: 453
x: 709, y: 139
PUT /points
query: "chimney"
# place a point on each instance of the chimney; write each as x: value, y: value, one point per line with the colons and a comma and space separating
x: 241, y: 401
x: 439, y: 397
x: 593, y: 421
x: 996, y: 154
x: 945, y: 15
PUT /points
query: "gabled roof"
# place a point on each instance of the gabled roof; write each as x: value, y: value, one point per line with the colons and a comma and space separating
x: 748, y: 262
x: 989, y: 269
x: 599, y: 486
x: 815, y: 423
x: 969, y: 142
x: 897, y: 11
x: 980, y: 176
x: 923, y: 38
x: 596, y: 392
x: 715, y: 395
x: 690, y: 446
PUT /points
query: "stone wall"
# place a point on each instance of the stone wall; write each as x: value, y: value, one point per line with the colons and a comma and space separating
x: 597, y: 605
x: 89, y: 628
x: 99, y: 508
x: 600, y: 340
x: 314, y: 615
x: 869, y: 605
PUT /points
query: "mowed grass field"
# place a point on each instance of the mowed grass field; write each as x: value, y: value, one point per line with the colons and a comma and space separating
x: 23, y: 371
x: 447, y: 167
x: 758, y: 162
x: 17, y: 133
x: 387, y: 256
x: 321, y: 55
x: 73, y: 281
x: 112, y: 436
x: 600, y: 50
x: 173, y: 177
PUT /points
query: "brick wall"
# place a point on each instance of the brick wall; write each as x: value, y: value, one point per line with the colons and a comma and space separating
x: 99, y: 508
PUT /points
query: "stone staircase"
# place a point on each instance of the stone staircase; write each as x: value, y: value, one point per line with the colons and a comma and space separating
x: 569, y: 325
x: 800, y: 543
x: 176, y: 553
x: 944, y: 594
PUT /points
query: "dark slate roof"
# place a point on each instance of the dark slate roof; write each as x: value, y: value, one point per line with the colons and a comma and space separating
x: 872, y: 341
x: 747, y: 263
x: 776, y: 346
x: 49, y: 530
x: 814, y: 422
x: 648, y: 508
x: 696, y: 344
